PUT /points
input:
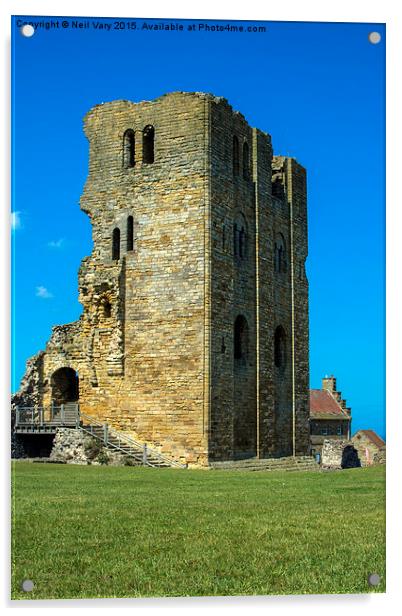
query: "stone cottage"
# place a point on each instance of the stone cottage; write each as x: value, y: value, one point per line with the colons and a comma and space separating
x: 194, y: 330
x: 370, y: 446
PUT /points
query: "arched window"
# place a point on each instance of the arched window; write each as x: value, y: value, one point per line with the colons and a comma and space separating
x: 130, y: 233
x: 236, y: 162
x: 240, y: 338
x: 246, y: 161
x: 148, y: 136
x: 129, y: 149
x: 116, y: 244
x: 280, y: 347
x: 240, y: 238
x: 280, y: 257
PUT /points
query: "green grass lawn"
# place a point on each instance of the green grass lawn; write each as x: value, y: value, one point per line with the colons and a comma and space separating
x: 96, y: 531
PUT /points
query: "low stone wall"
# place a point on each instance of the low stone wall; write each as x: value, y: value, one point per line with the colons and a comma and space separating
x: 17, y: 448
x: 380, y: 457
x: 338, y: 454
x: 71, y: 446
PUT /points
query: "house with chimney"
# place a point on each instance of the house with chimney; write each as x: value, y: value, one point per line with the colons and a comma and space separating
x: 330, y: 418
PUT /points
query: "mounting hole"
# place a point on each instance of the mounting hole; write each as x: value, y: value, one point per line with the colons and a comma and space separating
x: 374, y: 37
x: 27, y: 585
x: 27, y: 30
x: 374, y: 579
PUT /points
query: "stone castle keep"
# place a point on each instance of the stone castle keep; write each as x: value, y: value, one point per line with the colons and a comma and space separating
x: 194, y: 331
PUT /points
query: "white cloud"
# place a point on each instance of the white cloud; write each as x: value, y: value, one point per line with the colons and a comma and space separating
x: 15, y: 220
x: 43, y: 293
x: 56, y: 243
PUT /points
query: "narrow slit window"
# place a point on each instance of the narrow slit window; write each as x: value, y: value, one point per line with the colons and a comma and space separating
x: 246, y: 161
x: 280, y: 348
x: 240, y: 240
x: 116, y: 244
x: 240, y: 338
x: 236, y: 165
x: 280, y: 258
x: 107, y: 309
x: 129, y: 149
x: 148, y: 145
x: 130, y: 233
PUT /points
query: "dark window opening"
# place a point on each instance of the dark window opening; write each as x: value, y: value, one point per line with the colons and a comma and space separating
x: 65, y: 387
x: 280, y: 261
x: 236, y: 158
x: 223, y: 346
x: 130, y: 233
x: 242, y: 243
x: 107, y: 309
x: 246, y: 161
x: 129, y: 149
x: 240, y: 239
x: 280, y: 347
x: 223, y: 237
x: 148, y: 137
x: 116, y: 244
x: 240, y: 338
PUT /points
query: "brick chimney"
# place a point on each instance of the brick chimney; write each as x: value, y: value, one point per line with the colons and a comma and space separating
x: 329, y: 383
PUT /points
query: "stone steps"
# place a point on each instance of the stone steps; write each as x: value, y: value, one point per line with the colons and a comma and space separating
x: 121, y: 443
x: 289, y: 464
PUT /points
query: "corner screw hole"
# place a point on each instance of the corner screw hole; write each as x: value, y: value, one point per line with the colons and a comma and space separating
x: 374, y: 579
x: 27, y: 30
x: 374, y: 37
x: 27, y: 585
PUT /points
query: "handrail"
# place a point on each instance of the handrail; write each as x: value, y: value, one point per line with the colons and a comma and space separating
x: 55, y: 415
x: 58, y: 417
x: 114, y: 432
x: 136, y: 454
x: 141, y: 447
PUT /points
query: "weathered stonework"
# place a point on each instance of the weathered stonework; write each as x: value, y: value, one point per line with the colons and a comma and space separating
x: 72, y: 446
x: 194, y: 331
x: 69, y: 447
x: 338, y: 454
x: 370, y: 446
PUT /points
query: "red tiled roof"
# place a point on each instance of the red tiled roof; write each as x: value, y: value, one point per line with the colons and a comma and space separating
x: 323, y: 405
x: 373, y: 437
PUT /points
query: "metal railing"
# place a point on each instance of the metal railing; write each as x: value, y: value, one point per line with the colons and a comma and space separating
x: 120, y: 441
x: 37, y: 418
x: 62, y: 415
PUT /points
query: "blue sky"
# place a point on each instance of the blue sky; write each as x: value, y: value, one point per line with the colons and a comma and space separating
x: 317, y: 88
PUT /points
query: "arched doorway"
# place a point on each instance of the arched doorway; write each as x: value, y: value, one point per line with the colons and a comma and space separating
x: 65, y: 386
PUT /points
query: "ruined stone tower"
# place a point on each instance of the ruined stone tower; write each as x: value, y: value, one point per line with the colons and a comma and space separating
x: 194, y: 331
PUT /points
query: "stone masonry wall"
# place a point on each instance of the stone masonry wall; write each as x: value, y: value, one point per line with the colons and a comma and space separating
x: 233, y: 292
x: 369, y: 453
x: 339, y: 454
x: 252, y: 400
x: 141, y: 368
x: 154, y: 349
